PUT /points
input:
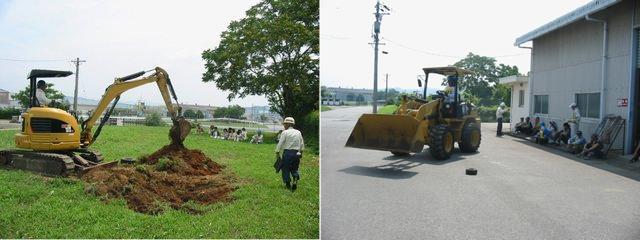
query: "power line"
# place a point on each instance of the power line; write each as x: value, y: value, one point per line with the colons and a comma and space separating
x: 445, y: 55
x: 32, y: 60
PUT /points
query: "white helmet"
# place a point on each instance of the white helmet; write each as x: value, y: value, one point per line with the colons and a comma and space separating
x: 290, y: 120
x: 502, y: 104
x: 572, y: 105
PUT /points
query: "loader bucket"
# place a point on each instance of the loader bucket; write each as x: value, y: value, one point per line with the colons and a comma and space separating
x: 397, y: 133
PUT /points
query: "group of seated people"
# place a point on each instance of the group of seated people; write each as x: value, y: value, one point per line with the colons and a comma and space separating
x: 543, y: 134
x: 235, y: 135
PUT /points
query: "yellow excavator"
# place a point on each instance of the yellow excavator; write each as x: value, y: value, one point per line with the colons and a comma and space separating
x: 438, y: 123
x: 54, y: 144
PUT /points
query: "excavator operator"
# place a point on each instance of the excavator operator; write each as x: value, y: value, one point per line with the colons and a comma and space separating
x: 43, y: 101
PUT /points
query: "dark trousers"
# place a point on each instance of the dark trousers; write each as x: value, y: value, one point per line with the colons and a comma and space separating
x: 499, y: 131
x: 290, y: 164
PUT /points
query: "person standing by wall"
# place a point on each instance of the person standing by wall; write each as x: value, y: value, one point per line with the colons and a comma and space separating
x: 574, y: 121
x: 500, y: 117
x: 289, y: 148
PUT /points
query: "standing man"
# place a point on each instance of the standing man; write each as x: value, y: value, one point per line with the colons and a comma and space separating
x: 500, y: 116
x: 574, y: 121
x: 290, y: 148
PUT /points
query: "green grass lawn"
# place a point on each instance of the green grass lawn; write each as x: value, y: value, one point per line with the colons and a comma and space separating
x: 325, y: 108
x: 32, y: 206
x: 387, y: 109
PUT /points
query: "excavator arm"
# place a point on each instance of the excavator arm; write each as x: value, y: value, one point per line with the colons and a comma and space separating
x: 180, y: 128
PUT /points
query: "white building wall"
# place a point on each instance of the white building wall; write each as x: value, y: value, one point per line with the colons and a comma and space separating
x: 568, y: 61
x: 517, y: 111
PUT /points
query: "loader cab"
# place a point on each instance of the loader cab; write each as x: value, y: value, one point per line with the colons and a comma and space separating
x: 452, y: 106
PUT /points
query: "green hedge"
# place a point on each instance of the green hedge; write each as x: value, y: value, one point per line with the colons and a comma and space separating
x: 311, y: 131
x: 7, y: 113
x: 488, y: 114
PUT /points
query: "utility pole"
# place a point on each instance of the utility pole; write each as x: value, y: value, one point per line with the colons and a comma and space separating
x: 386, y: 87
x: 75, y: 92
x: 376, y: 42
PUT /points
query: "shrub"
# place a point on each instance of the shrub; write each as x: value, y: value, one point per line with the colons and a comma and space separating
x: 153, y: 119
x: 7, y: 113
x: 311, y: 131
x: 488, y: 114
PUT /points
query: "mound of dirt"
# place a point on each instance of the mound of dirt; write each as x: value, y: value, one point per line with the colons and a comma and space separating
x: 172, y: 175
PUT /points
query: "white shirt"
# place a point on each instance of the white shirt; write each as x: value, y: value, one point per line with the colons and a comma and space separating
x: 500, y: 112
x: 42, y: 97
x: 290, y: 139
x: 576, y: 115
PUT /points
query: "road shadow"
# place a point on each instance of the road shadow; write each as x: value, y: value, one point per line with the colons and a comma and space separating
x: 425, y: 157
x: 603, y: 164
x: 398, y: 166
x: 380, y: 172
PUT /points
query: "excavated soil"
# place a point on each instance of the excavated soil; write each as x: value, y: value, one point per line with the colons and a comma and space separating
x: 171, y: 176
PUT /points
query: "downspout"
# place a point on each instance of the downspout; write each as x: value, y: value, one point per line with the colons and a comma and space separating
x: 628, y: 144
x: 605, y: 36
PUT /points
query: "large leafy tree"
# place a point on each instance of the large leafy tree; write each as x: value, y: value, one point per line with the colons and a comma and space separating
x: 483, y: 87
x: 23, y: 97
x: 273, y: 51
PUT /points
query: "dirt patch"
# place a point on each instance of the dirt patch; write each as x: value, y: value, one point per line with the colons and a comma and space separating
x: 172, y: 176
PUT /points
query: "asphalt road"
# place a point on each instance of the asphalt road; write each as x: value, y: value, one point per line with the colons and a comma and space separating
x: 521, y: 192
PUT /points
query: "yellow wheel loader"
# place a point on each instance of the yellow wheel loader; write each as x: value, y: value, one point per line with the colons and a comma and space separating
x: 52, y: 141
x: 438, y: 123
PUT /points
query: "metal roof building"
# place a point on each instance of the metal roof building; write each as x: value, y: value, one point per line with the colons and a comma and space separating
x: 588, y: 56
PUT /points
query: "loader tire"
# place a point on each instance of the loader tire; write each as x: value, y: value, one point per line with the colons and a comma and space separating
x: 441, y: 138
x: 400, y: 154
x: 470, y: 138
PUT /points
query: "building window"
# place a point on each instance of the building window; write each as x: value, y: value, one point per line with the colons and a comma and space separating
x: 521, y: 99
x: 589, y: 104
x: 541, y: 104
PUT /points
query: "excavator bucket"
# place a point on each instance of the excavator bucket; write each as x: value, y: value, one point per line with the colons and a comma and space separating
x: 179, y: 131
x: 396, y: 133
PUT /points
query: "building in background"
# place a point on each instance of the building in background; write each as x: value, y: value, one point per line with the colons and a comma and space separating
x: 344, y: 95
x: 519, y: 98
x: 589, y: 56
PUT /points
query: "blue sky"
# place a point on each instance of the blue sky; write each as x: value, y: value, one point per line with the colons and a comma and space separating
x: 117, y: 38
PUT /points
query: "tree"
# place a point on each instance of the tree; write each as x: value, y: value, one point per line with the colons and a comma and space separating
x: 52, y: 94
x: 199, y: 114
x: 272, y: 51
x: 483, y: 86
x: 189, y: 113
x: 233, y: 111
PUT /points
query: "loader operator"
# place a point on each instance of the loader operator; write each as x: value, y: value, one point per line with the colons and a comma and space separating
x: 43, y: 101
x: 290, y: 148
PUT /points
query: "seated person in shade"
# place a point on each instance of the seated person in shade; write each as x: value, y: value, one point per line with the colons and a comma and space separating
x: 257, y: 138
x: 563, y: 135
x: 240, y: 136
x: 214, y: 132
x: 519, y: 125
x: 576, y: 143
x: 593, y: 148
x: 525, y: 127
x: 536, y: 126
x: 544, y: 134
x: 553, y: 127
